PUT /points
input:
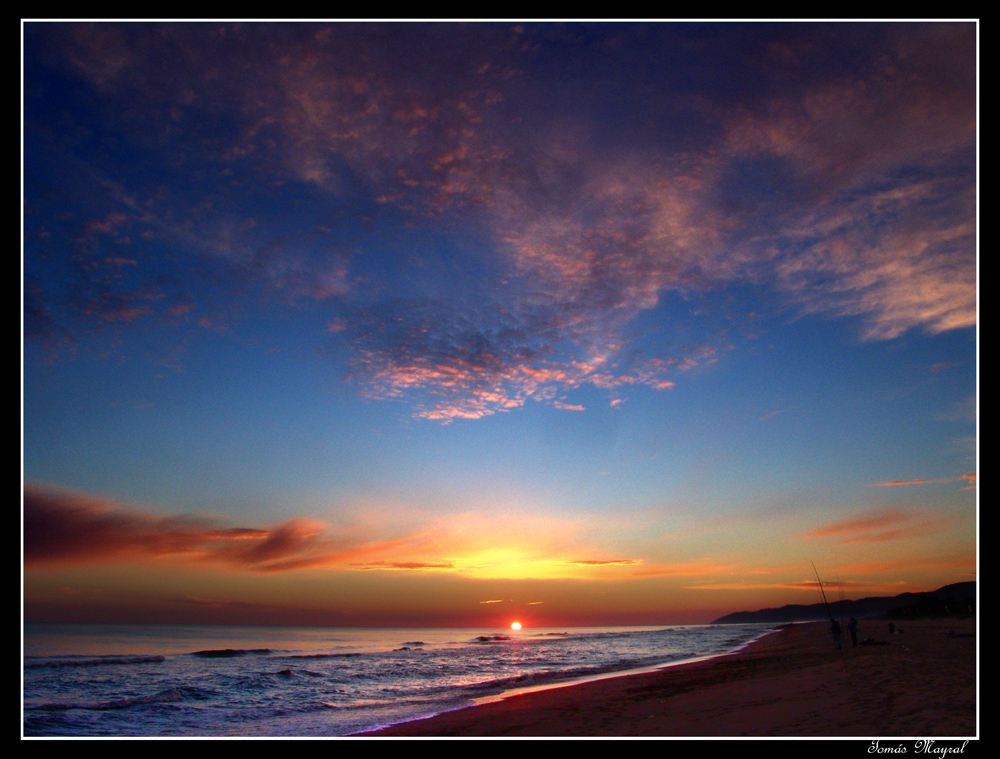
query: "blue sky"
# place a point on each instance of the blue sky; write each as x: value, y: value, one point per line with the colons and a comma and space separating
x: 653, y: 312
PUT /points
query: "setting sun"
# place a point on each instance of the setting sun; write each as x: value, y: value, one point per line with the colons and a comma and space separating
x: 516, y: 626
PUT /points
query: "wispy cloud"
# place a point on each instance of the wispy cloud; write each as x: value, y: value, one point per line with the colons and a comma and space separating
x: 591, y: 239
x: 473, y: 362
x: 871, y: 236
x: 684, y: 569
x: 405, y: 565
x: 849, y: 190
x: 944, y: 365
x: 899, y: 566
x: 848, y: 586
x: 64, y: 527
x: 880, y: 528
x: 67, y: 528
x: 773, y: 413
x: 969, y: 478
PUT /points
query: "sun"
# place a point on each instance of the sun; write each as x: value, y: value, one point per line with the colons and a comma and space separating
x: 515, y: 626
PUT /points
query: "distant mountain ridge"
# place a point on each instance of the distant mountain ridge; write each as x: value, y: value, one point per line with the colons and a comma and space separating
x: 958, y: 593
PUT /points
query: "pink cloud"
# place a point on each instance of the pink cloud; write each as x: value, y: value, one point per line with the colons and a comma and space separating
x: 881, y: 528
x: 405, y: 565
x: 969, y: 477
x: 467, y: 364
x: 683, y: 569
x: 895, y: 566
x: 588, y: 238
x: 64, y: 527
x: 773, y: 413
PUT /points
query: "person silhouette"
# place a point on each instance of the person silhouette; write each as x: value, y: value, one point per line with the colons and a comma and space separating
x: 852, y: 628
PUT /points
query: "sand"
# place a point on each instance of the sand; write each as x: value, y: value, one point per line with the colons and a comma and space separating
x: 790, y: 683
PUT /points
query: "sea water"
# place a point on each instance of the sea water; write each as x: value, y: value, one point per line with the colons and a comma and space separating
x: 201, y: 681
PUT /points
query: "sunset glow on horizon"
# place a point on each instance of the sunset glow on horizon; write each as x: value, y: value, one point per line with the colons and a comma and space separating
x: 452, y: 324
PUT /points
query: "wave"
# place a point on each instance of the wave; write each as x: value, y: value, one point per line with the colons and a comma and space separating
x: 552, y: 637
x: 320, y: 656
x: 96, y: 662
x: 498, y: 685
x: 168, y: 696
x: 289, y: 673
x: 543, y: 678
x: 225, y: 653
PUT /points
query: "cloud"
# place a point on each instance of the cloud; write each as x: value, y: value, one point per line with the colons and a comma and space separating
x: 851, y: 586
x: 813, y: 585
x: 917, y: 273
x: 64, y: 527
x: 67, y: 528
x: 881, y: 528
x: 683, y: 569
x: 841, y: 176
x: 873, y: 208
x: 842, y: 223
x: 970, y: 478
x: 406, y: 565
x: 39, y: 323
x: 859, y: 180
x: 943, y: 365
x: 898, y: 566
x: 603, y: 237
x: 474, y: 361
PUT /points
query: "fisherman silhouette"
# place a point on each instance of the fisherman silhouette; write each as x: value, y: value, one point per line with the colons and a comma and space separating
x: 852, y: 628
x: 837, y: 634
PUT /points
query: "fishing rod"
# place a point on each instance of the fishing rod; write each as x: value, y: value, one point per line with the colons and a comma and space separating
x: 834, y: 626
x: 822, y: 592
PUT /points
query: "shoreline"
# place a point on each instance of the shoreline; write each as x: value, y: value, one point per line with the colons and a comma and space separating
x: 584, y: 680
x: 790, y: 682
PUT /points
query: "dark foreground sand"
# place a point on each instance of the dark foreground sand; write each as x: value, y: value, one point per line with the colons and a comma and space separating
x: 790, y: 683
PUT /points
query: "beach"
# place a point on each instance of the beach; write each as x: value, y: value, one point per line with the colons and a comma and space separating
x: 917, y: 684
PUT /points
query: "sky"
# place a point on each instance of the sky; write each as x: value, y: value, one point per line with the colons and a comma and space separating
x: 456, y: 324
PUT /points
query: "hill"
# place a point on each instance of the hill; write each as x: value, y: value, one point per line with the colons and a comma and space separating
x: 958, y: 598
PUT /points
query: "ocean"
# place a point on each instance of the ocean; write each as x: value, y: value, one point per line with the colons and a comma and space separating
x: 203, y: 681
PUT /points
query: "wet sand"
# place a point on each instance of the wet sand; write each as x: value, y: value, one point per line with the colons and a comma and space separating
x: 790, y: 683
